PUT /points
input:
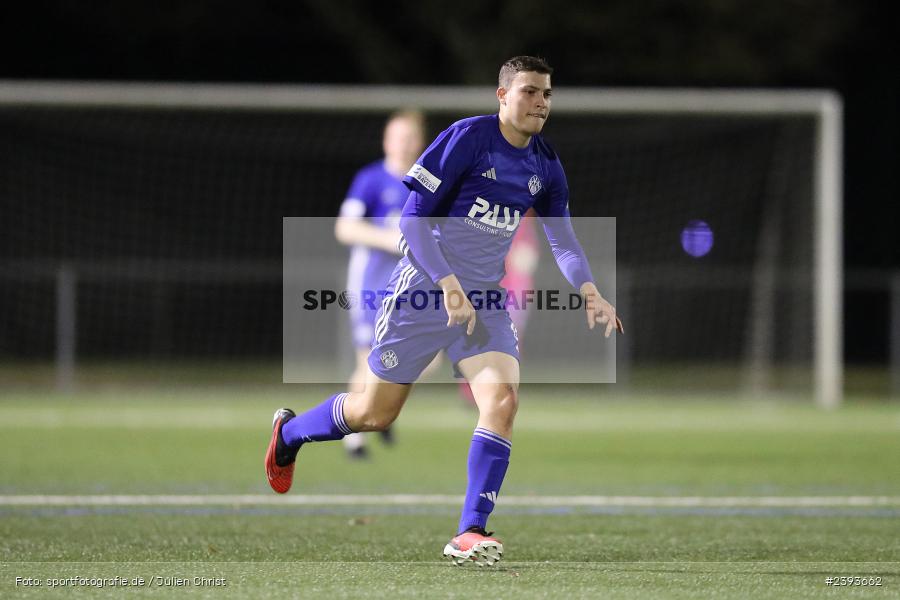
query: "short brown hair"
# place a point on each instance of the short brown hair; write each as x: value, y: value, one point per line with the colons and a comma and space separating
x: 518, y: 64
x: 414, y: 115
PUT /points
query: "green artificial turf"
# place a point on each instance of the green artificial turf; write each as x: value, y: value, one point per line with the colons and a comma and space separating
x: 568, y: 441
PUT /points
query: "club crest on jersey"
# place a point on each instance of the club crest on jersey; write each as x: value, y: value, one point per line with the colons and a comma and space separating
x: 496, y: 216
x: 389, y: 359
x: 534, y: 185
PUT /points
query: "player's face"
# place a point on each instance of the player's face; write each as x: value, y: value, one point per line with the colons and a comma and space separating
x: 404, y: 141
x: 526, y: 103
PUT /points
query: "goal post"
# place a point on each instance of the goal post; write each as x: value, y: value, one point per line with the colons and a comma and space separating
x: 823, y: 108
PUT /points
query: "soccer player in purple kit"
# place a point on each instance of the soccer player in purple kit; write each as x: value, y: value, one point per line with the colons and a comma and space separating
x: 481, y: 175
x: 369, y: 221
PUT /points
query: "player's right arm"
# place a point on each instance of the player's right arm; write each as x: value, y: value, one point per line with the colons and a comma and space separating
x: 420, y: 241
x: 430, y: 180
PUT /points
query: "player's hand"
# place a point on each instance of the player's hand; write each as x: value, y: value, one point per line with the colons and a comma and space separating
x: 459, y: 308
x: 599, y: 310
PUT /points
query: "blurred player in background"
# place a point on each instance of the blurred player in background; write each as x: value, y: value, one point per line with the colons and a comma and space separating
x: 482, y: 165
x: 369, y: 221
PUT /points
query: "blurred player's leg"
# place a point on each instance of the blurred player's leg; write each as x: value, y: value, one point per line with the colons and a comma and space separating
x: 373, y: 409
x: 494, y: 381
x: 355, y: 443
x: 465, y: 392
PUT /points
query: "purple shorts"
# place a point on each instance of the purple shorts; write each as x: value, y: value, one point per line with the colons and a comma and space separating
x: 411, y: 328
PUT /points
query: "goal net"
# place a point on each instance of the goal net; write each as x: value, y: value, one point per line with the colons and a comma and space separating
x: 144, y: 222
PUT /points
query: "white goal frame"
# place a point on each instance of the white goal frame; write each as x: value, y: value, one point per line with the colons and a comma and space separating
x: 824, y: 106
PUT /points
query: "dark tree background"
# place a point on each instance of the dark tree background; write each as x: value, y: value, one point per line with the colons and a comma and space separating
x: 844, y: 45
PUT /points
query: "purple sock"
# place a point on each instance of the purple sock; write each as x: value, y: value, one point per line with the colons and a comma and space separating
x: 322, y: 423
x: 488, y: 460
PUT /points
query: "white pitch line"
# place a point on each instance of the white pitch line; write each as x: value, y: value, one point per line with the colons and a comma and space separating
x: 424, y: 499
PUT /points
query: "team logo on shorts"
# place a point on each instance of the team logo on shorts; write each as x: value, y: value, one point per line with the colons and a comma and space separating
x: 389, y: 359
x: 534, y: 184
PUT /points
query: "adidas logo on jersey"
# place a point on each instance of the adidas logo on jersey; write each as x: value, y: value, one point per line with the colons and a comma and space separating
x: 492, y: 496
x: 490, y: 174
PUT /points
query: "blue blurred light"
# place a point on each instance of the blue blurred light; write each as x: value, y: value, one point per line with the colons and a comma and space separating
x: 697, y: 238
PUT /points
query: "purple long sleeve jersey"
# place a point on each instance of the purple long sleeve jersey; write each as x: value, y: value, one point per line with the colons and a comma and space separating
x: 468, y: 193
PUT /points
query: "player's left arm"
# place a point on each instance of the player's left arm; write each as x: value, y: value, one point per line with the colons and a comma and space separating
x: 356, y: 231
x: 569, y: 254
